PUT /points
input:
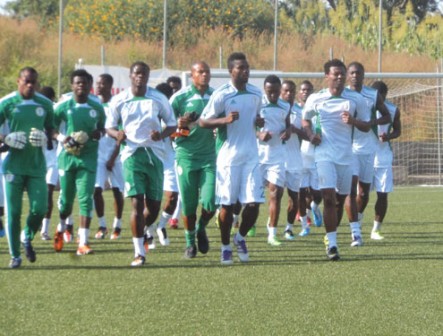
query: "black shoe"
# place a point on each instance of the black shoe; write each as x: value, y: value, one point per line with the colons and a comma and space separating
x: 332, y: 253
x: 191, y: 252
x: 29, y: 251
x: 202, y: 241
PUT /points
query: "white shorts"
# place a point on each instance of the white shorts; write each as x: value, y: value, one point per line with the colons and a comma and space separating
x: 363, y: 167
x: 383, y: 180
x: 338, y: 177
x: 170, y: 182
x: 293, y: 180
x: 114, y: 177
x: 309, y: 178
x: 52, y: 175
x: 273, y: 173
x: 239, y: 183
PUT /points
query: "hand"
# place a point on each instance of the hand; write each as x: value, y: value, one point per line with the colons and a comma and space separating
x: 80, y: 137
x: 156, y: 136
x: 347, y: 118
x: 233, y: 116
x: 110, y: 164
x: 259, y: 121
x: 71, y: 146
x: 96, y: 134
x: 264, y: 136
x: 16, y: 140
x: 183, y: 122
x: 38, y: 138
x: 121, y: 136
x: 315, y: 139
x: 383, y: 137
x: 285, y: 135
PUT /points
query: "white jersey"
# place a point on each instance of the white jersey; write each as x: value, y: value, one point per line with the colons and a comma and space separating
x: 238, y: 139
x: 384, y: 156
x: 273, y: 151
x: 324, y: 110
x: 292, y: 146
x: 140, y: 116
x: 366, y: 142
x: 106, y: 144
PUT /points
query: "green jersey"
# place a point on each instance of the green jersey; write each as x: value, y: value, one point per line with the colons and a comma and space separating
x: 200, y: 144
x: 71, y: 116
x: 21, y: 114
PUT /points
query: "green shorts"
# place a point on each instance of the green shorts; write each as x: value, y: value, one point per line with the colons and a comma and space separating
x: 196, y: 181
x: 143, y: 173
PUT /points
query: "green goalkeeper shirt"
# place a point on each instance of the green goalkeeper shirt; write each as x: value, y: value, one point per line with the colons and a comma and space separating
x: 21, y: 114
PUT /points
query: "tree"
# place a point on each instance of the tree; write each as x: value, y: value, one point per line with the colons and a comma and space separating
x: 43, y: 10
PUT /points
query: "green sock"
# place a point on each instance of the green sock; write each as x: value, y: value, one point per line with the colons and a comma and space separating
x: 201, y: 225
x: 190, y: 238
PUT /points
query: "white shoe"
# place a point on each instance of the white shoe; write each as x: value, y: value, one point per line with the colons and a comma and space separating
x: 356, y: 240
x: 45, y: 236
x: 162, y: 237
x: 375, y: 235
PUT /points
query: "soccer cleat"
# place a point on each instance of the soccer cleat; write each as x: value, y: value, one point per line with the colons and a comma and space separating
x: 318, y: 218
x: 332, y: 253
x: 242, y: 250
x: 15, y: 262
x: 326, y: 241
x: 202, y: 241
x: 289, y: 235
x: 191, y: 252
x: 138, y: 261
x: 101, y: 233
x: 163, y: 237
x: 252, y: 231
x: 84, y: 250
x: 173, y: 223
x: 226, y: 257
x: 68, y: 235
x: 45, y: 236
x: 148, y: 242
x: 29, y: 251
x: 304, y: 232
x: 116, y: 234
x: 375, y: 235
x: 58, y: 241
x: 356, y: 240
x: 273, y: 241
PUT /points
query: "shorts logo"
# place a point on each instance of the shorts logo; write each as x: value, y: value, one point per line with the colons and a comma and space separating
x: 179, y: 170
x: 39, y: 111
x: 93, y: 113
x: 61, y: 172
x: 9, y: 177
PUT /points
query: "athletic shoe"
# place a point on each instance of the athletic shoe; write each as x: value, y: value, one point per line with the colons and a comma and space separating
x: 318, y: 218
x: 242, y: 250
x: 116, y: 234
x: 149, y: 243
x: 15, y: 262
x: 29, y: 251
x: 375, y: 235
x: 68, y: 235
x: 356, y: 241
x: 101, y: 233
x: 138, y: 261
x: 202, y: 241
x: 326, y: 241
x: 163, y: 237
x: 252, y: 231
x: 332, y: 253
x: 191, y: 252
x: 289, y: 235
x: 58, y: 241
x: 173, y: 223
x: 273, y: 241
x: 226, y: 257
x: 304, y: 232
x: 84, y: 250
x: 45, y: 236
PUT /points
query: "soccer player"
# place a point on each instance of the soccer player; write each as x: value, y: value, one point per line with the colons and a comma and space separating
x: 195, y: 158
x: 272, y: 150
x: 140, y: 109
x: 329, y: 117
x: 235, y: 109
x: 363, y: 147
x: 383, y: 177
x: 175, y: 83
x: 29, y: 117
x: 109, y: 168
x: 80, y: 121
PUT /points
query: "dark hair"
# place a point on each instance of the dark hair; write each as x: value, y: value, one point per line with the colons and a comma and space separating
x: 272, y: 79
x: 80, y: 73
x: 289, y: 82
x: 139, y: 63
x: 235, y: 56
x: 358, y: 65
x: 306, y: 82
x: 165, y: 89
x: 107, y: 78
x: 174, y: 79
x: 381, y: 87
x: 27, y: 69
x: 48, y: 92
x: 333, y: 63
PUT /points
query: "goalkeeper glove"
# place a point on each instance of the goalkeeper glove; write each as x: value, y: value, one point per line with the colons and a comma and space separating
x: 16, y: 140
x: 37, y: 138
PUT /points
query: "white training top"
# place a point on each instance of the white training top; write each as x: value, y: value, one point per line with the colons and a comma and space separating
x: 139, y: 117
x: 273, y: 151
x: 239, y: 142
x: 106, y: 144
x: 384, y: 156
x: 292, y: 146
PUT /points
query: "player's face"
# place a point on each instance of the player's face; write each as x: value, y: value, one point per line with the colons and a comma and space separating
x: 336, y: 77
x: 287, y: 93
x: 139, y: 76
x: 175, y: 86
x: 103, y: 87
x: 356, y: 76
x: 201, y: 75
x: 305, y: 92
x: 80, y: 86
x: 240, y: 72
x: 272, y: 91
x: 27, y: 83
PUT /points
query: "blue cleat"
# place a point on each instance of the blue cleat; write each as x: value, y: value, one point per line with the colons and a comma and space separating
x: 306, y: 231
x: 15, y: 262
x: 318, y: 218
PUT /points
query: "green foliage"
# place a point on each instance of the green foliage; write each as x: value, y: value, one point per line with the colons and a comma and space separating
x: 43, y: 10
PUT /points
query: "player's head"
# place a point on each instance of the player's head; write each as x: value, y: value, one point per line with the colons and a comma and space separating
x: 104, y: 84
x: 356, y: 75
x: 306, y: 89
x: 139, y: 74
x: 381, y: 87
x: 175, y: 83
x: 48, y: 92
x: 80, y: 83
x: 287, y: 92
x: 335, y: 74
x: 272, y: 88
x: 200, y: 74
x: 238, y: 67
x: 27, y: 82
x: 166, y: 89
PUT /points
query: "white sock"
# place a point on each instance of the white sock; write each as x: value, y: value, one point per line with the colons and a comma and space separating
x: 332, y: 238
x: 83, y: 235
x: 314, y: 206
x: 102, y: 222
x: 151, y: 230
x: 377, y: 226
x: 164, y: 218
x: 45, y: 225
x: 289, y: 227
x: 360, y: 216
x: 139, y: 248
x: 61, y: 227
x: 70, y: 220
x: 304, y: 222
x: 234, y: 219
x: 272, y: 232
x: 117, y: 223
x: 239, y: 237
x: 178, y: 209
x: 226, y: 247
x: 308, y: 213
x: 355, y: 227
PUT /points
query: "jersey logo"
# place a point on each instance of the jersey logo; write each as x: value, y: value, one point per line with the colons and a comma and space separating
x: 190, y: 104
x: 93, y: 113
x: 40, y: 111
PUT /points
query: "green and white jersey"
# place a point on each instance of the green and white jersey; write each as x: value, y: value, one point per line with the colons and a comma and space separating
x: 73, y: 117
x: 200, y: 144
x: 21, y: 115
